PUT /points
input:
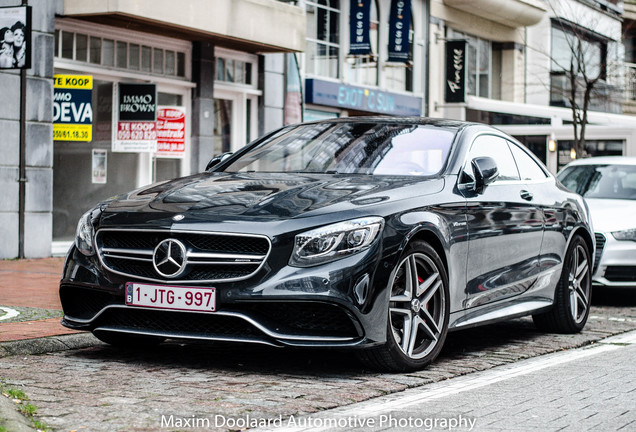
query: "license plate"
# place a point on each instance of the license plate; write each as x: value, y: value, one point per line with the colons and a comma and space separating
x: 171, y: 297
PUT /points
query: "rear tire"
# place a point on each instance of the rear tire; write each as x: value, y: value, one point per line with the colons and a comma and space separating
x: 418, y: 311
x: 573, y: 295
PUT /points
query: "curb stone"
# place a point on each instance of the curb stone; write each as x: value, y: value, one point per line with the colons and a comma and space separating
x: 48, y: 344
x: 11, y: 419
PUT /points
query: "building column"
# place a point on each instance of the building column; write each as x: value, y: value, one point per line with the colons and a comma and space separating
x: 203, y: 67
x: 513, y: 70
x: 38, y: 223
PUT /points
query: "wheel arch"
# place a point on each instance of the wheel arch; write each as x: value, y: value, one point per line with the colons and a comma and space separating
x: 432, y: 239
x: 587, y: 237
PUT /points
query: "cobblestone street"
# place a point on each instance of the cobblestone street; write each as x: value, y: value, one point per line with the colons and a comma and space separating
x: 104, y: 389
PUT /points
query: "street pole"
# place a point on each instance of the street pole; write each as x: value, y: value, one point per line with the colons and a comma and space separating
x: 22, y: 176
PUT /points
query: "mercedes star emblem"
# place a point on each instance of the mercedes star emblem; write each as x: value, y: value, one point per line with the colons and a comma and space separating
x: 169, y: 258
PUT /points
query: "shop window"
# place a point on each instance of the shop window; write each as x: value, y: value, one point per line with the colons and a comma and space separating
x: 108, y: 52
x: 67, y: 45
x: 95, y: 50
x: 81, y: 47
x: 146, y: 57
x: 157, y: 61
x: 233, y: 71
x: 122, y: 55
x: 75, y: 185
x: 592, y: 148
x: 119, y: 54
x: 133, y: 56
x: 323, y: 38
x: 170, y: 59
x: 586, y: 51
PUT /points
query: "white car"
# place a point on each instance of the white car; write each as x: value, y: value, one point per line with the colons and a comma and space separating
x: 608, y: 184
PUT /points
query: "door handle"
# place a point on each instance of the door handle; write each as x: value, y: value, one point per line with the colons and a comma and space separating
x: 526, y: 195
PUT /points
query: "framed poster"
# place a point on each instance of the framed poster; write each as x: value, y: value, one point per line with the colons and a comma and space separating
x: 15, y: 37
x: 134, y: 119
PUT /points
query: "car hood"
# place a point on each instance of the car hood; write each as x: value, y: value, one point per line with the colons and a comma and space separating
x: 217, y: 197
x: 612, y: 215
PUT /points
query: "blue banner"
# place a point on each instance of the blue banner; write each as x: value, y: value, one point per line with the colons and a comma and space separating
x: 399, y: 29
x: 359, y: 21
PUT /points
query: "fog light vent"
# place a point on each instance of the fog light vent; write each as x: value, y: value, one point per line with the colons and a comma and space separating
x: 362, y: 289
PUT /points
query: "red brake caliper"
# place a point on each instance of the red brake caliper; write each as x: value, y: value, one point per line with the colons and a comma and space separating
x: 420, y: 280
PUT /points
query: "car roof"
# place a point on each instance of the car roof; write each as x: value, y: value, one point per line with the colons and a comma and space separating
x: 604, y: 160
x: 453, y: 124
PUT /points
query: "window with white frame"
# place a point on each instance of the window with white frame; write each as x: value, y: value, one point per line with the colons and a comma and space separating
x: 102, y: 46
x: 323, y: 38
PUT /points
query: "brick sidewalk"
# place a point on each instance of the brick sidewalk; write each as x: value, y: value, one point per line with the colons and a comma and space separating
x: 31, y: 283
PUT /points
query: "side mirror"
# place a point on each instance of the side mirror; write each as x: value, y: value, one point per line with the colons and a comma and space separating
x: 217, y: 160
x: 485, y: 171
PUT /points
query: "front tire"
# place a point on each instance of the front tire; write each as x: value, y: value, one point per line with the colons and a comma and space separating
x: 573, y: 295
x: 418, y: 311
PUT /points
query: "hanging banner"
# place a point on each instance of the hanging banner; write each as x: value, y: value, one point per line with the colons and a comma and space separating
x: 171, y: 131
x: 293, y: 111
x: 136, y: 115
x: 455, y: 71
x: 359, y: 21
x: 15, y: 37
x: 72, y: 108
x: 399, y: 30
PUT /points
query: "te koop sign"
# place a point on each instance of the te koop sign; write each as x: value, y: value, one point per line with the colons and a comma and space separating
x: 72, y: 108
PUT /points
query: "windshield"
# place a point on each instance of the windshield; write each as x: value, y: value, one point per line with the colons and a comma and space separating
x: 351, y: 148
x: 601, y: 181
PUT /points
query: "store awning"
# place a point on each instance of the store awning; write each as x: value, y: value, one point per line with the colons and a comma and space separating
x: 257, y: 26
x: 513, y: 13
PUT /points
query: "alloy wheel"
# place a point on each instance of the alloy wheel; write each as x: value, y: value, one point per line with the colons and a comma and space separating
x: 579, y: 284
x: 417, y: 305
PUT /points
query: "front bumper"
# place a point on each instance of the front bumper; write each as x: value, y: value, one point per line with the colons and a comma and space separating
x: 615, y: 264
x: 285, y: 307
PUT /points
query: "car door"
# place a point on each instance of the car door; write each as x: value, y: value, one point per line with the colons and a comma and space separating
x: 537, y: 182
x: 505, y: 228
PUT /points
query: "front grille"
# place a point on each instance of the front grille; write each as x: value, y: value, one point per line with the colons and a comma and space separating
x: 620, y: 273
x: 210, y: 257
x: 178, y: 323
x: 600, y: 244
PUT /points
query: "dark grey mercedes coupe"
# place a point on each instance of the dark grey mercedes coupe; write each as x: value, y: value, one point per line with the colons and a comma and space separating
x: 376, y: 234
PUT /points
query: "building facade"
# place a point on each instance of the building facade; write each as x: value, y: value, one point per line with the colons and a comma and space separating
x: 225, y: 72
x: 517, y: 56
x: 205, y: 66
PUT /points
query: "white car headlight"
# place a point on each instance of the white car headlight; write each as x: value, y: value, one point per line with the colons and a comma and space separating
x: 336, y: 241
x: 85, y: 233
x: 629, y: 234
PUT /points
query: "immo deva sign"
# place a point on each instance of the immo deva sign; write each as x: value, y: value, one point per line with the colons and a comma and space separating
x: 135, y: 128
x: 72, y: 108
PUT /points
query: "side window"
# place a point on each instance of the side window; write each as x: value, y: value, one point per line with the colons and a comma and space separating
x: 528, y: 168
x: 496, y: 148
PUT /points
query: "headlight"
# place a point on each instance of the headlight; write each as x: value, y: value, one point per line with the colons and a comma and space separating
x: 335, y: 241
x: 629, y: 234
x: 84, y: 234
